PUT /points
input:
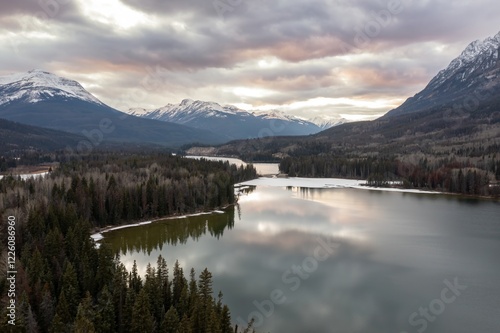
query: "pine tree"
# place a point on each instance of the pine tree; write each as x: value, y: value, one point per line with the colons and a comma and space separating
x: 206, y: 300
x: 142, y: 318
x: 225, y: 324
x: 63, y: 316
x: 179, y: 281
x: 26, y: 316
x: 165, y: 284
x: 70, y: 289
x: 84, y: 317
x: 120, y: 295
x: 47, y: 309
x: 105, y: 266
x: 185, y: 325
x: 170, y: 323
x: 57, y: 325
x: 135, y: 281
x: 105, y: 312
x: 193, y: 288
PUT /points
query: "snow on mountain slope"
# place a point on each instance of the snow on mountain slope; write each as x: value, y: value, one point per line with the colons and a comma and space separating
x: 476, y: 72
x: 479, y: 55
x: 188, y: 110
x: 328, y: 122
x: 37, y: 85
x: 234, y: 122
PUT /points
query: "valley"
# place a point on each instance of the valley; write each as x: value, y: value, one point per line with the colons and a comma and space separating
x: 294, y: 188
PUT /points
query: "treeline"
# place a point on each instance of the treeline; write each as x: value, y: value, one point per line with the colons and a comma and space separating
x: 65, y: 284
x: 110, y: 189
x: 445, y: 174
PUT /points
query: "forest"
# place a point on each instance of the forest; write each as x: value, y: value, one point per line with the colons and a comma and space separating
x: 65, y: 283
x: 478, y: 178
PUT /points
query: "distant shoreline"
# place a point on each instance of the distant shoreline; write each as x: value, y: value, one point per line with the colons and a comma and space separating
x: 326, y: 183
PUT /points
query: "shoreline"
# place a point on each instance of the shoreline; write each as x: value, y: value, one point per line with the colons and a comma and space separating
x: 97, y: 233
x: 319, y: 183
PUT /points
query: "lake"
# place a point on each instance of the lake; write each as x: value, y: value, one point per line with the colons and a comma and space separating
x: 339, y: 260
x: 262, y: 168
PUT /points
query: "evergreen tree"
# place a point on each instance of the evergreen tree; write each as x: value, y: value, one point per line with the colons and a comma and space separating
x: 225, y: 323
x: 142, y: 318
x: 85, y: 316
x: 57, y: 325
x: 70, y: 290
x: 171, y: 322
x: 105, y: 312
x: 63, y: 315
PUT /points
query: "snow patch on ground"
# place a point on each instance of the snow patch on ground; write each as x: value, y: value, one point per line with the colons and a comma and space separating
x: 29, y: 175
x: 323, y: 183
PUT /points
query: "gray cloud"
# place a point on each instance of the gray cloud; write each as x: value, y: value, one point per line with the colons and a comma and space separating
x: 282, y: 52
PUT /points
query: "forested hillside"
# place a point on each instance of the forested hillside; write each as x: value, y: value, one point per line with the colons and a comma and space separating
x: 66, y: 284
x: 471, y: 177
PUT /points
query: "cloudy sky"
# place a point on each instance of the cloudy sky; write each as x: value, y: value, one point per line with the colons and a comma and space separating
x: 351, y: 58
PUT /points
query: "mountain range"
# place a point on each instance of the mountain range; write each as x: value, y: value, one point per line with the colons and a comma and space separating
x: 461, y: 104
x: 234, y: 122
x: 458, y: 112
x: 39, y: 98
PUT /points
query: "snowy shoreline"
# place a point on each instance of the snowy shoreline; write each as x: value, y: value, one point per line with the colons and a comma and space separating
x: 99, y: 235
x: 324, y: 183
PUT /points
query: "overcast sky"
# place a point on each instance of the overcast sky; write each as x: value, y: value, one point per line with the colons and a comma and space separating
x: 356, y: 58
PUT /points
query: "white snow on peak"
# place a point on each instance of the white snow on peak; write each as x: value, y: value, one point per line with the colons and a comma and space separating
x: 37, y: 85
x: 478, y: 54
x: 138, y: 111
x: 326, y: 122
x: 275, y: 114
x: 188, y: 110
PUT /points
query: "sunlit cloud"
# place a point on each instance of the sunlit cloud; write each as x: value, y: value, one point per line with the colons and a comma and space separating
x: 113, y: 13
x: 298, y: 56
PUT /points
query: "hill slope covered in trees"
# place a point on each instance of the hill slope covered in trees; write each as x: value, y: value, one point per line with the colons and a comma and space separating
x: 66, y: 284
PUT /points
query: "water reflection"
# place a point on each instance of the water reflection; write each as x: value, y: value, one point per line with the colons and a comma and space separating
x: 394, y: 252
x: 154, y: 236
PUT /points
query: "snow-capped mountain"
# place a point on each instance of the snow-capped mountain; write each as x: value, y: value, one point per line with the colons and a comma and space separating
x: 188, y: 111
x: 478, y: 56
x: 234, y: 122
x: 328, y: 122
x: 40, y: 98
x: 37, y: 85
x: 476, y: 71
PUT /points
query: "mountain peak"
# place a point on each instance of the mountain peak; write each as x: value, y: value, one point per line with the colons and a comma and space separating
x: 474, y: 70
x: 480, y: 55
x: 38, y: 85
x: 186, y: 102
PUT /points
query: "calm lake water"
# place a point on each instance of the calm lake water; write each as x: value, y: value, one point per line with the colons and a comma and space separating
x: 340, y: 260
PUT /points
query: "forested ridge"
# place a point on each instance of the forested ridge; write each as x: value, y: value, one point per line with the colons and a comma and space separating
x: 65, y: 284
x: 471, y: 176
